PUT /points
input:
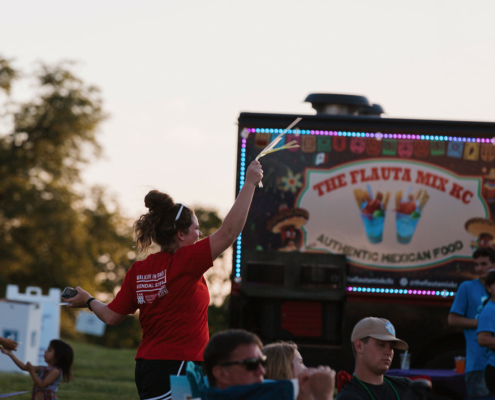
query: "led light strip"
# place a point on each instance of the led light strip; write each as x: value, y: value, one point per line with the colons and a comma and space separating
x: 242, y: 175
x: 238, y: 257
x: 242, y: 164
x: 377, y: 135
x: 443, y: 293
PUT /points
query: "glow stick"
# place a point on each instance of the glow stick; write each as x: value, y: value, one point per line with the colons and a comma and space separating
x: 291, y: 145
x: 277, y: 139
x: 269, y: 149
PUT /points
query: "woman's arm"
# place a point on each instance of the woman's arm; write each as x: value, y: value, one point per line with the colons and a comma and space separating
x: 236, y: 218
x: 100, y: 309
x: 8, y: 344
x: 486, y: 339
x: 50, y: 378
x: 17, y: 362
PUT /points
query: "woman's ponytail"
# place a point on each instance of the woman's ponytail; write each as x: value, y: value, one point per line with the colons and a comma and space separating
x: 158, y: 225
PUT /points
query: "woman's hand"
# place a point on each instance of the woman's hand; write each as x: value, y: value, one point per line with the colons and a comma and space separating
x: 254, y: 173
x: 8, y: 344
x: 100, y: 309
x: 78, y: 300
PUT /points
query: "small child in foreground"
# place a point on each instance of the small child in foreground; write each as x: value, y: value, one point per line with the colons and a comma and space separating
x: 59, y: 357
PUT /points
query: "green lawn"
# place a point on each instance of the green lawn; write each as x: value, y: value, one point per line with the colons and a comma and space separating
x: 99, y: 373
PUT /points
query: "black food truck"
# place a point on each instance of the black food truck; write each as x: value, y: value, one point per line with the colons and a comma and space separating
x: 370, y: 216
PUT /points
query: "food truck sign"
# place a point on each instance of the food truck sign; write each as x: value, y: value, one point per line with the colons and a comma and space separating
x: 390, y: 208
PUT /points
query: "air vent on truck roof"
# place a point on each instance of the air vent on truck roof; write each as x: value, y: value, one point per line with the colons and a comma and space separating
x: 375, y: 110
x: 342, y: 104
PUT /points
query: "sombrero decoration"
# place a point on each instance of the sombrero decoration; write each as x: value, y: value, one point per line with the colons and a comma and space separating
x: 286, y: 222
x: 489, y: 186
x: 295, y: 217
x: 483, y: 229
x: 490, y: 175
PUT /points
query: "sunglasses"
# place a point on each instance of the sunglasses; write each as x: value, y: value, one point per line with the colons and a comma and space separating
x: 251, y: 364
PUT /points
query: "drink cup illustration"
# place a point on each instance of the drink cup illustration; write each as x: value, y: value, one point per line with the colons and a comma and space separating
x: 373, y: 212
x: 407, y: 214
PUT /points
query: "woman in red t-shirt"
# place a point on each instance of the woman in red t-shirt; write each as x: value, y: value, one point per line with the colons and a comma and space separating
x: 168, y: 287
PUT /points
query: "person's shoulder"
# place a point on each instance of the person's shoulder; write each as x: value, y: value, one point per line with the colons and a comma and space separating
x: 351, y: 391
x: 136, y: 265
x: 152, y: 261
x: 466, y: 285
x: 347, y: 394
x: 473, y: 283
x: 488, y: 308
x: 469, y: 287
x: 200, y: 248
x: 400, y: 380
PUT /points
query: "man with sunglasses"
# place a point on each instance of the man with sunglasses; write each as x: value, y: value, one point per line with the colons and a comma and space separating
x: 234, y: 365
x: 233, y: 358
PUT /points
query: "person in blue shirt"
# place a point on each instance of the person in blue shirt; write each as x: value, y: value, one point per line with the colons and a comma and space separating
x: 464, y: 313
x: 486, y: 331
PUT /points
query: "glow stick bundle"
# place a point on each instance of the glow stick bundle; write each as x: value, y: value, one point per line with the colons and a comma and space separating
x: 270, y: 148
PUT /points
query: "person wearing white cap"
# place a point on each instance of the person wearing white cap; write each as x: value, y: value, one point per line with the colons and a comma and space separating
x: 373, y: 342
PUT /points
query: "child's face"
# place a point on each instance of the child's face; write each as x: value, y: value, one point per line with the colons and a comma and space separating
x: 49, y: 355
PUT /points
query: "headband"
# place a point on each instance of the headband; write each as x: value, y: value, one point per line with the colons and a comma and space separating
x: 180, y: 210
x: 178, y: 214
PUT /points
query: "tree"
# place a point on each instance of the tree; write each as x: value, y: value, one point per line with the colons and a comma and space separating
x: 50, y: 234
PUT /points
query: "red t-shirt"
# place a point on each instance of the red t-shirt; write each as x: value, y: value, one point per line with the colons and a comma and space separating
x: 171, y: 294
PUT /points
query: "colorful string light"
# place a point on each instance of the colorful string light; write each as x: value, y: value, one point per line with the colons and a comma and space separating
x: 372, y: 135
x: 442, y: 293
x: 403, y: 136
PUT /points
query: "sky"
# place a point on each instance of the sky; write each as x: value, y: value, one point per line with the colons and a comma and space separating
x: 175, y: 75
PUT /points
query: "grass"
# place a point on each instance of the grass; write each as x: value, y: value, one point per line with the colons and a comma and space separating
x: 99, y: 373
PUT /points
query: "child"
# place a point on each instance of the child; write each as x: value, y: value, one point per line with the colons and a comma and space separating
x: 486, y: 330
x: 59, y: 357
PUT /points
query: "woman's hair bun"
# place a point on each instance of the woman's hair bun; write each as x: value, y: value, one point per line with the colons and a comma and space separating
x: 155, y: 200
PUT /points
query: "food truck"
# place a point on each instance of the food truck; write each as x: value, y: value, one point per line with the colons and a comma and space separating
x: 370, y: 216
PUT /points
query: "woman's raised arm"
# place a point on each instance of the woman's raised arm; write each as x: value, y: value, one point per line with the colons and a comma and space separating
x: 236, y: 218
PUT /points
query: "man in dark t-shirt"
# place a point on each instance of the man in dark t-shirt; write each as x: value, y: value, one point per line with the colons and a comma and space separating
x: 374, y: 341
